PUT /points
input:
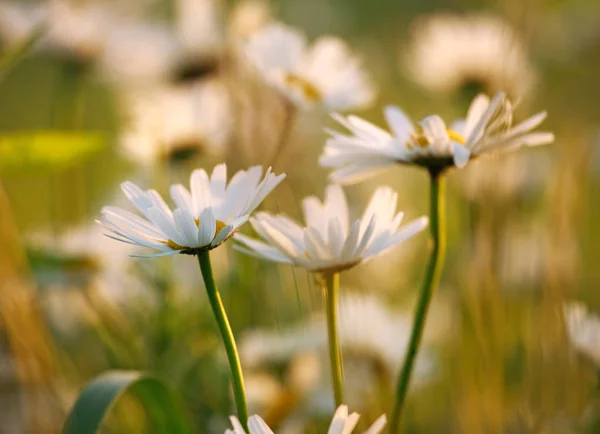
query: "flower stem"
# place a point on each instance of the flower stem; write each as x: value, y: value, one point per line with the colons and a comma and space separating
x: 286, y: 130
x: 331, y: 287
x: 228, y: 340
x: 432, y: 276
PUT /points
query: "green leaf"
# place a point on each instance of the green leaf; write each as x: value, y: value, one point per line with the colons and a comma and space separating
x: 47, y: 149
x: 99, y: 397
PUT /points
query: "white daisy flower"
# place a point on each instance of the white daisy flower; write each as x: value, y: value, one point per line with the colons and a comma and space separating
x: 173, y: 122
x: 450, y: 52
x: 19, y: 20
x: 87, y: 244
x: 367, y: 327
x: 329, y: 242
x: 78, y: 29
x: 204, y: 218
x: 373, y: 341
x: 583, y: 329
x: 516, y: 175
x: 75, y: 30
x: 248, y: 16
x: 138, y: 53
x: 81, y: 257
x: 487, y: 128
x: 141, y: 52
x: 325, y: 73
x: 342, y: 423
x: 199, y: 26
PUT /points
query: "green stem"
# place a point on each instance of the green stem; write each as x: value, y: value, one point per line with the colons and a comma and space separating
x: 331, y: 288
x: 432, y: 276
x: 228, y: 340
x: 286, y: 130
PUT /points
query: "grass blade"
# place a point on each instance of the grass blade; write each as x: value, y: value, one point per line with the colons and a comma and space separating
x: 99, y: 397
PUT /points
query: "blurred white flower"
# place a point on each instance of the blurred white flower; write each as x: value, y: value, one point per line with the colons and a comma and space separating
x: 75, y: 30
x: 67, y: 308
x: 480, y: 52
x: 262, y: 389
x: 366, y: 327
x: 373, y: 339
x: 78, y: 29
x: 342, y: 423
x: 487, y: 129
x: 583, y: 329
x: 279, y: 394
x: 131, y: 51
x: 176, y: 121
x: 329, y: 242
x: 18, y: 20
x: 248, y: 16
x: 138, y: 53
x: 143, y: 52
x: 199, y: 27
x: 203, y: 219
x: 83, y: 242
x: 266, y: 347
x: 369, y: 326
x: 523, y: 256
x: 516, y: 175
x: 325, y: 73
x: 78, y: 260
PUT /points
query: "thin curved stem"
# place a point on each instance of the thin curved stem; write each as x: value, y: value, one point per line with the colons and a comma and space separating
x: 286, y: 131
x: 437, y: 223
x: 331, y: 288
x: 218, y: 309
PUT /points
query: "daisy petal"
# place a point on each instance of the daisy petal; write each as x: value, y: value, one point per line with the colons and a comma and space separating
x: 207, y: 227
x: 222, y: 235
x: 460, y: 155
x: 399, y: 122
x: 156, y: 255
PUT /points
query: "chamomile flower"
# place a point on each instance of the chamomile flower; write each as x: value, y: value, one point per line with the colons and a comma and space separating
x: 176, y: 122
x: 204, y: 218
x: 369, y: 329
x: 18, y: 20
x: 450, y: 52
x: 199, y: 27
x: 138, y: 52
x: 144, y: 52
x: 325, y: 73
x: 504, y: 179
x: 583, y: 329
x: 82, y: 255
x: 248, y: 16
x: 488, y: 128
x: 329, y: 242
x: 77, y: 31
x: 342, y: 423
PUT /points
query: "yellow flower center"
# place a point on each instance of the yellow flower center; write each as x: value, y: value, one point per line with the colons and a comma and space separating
x: 220, y: 225
x: 309, y: 90
x: 172, y: 244
x: 457, y: 137
x: 418, y: 138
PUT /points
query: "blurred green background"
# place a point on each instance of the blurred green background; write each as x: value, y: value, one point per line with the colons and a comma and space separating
x: 522, y: 230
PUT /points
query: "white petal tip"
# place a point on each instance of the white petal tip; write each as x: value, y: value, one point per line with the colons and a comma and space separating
x: 461, y: 156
